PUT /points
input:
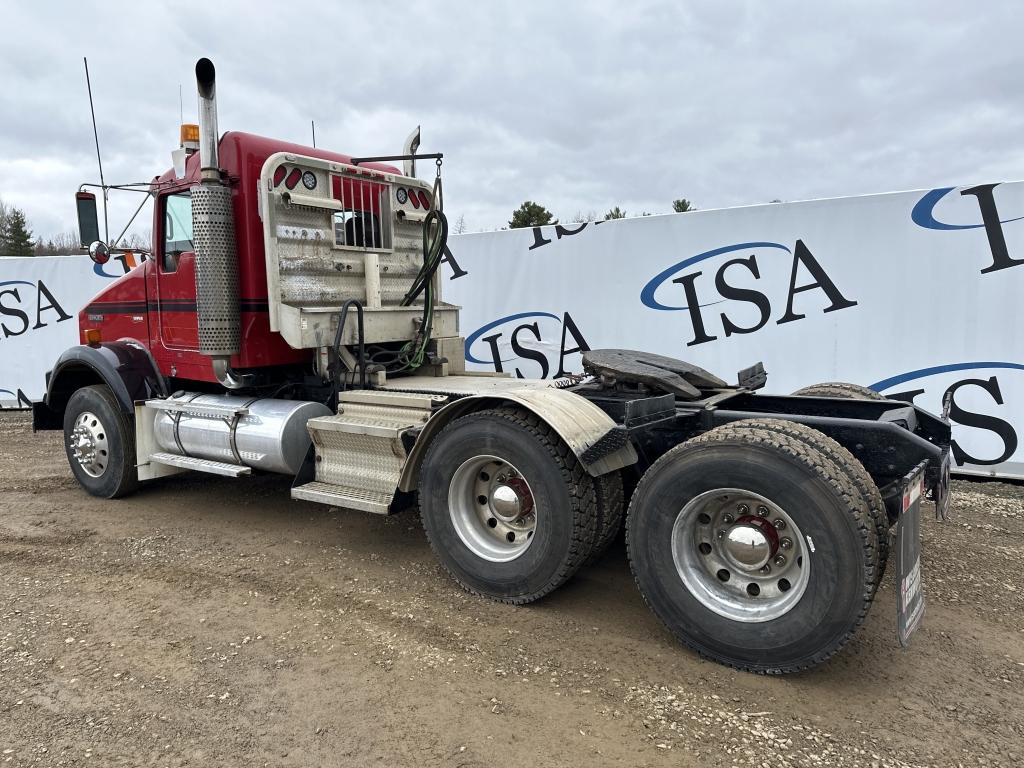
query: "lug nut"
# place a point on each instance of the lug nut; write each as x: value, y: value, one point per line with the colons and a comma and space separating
x: 742, y: 509
x: 779, y: 524
x: 762, y: 511
x: 766, y: 569
x: 780, y: 560
x: 727, y: 518
x: 785, y: 543
x: 721, y: 534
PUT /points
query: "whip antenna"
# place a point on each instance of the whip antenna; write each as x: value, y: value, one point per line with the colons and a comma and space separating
x: 99, y: 159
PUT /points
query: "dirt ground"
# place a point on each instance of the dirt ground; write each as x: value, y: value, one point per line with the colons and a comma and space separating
x: 211, y: 621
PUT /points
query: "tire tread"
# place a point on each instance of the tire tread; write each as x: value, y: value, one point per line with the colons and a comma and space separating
x: 854, y: 472
x: 129, y: 474
x: 577, y: 482
x: 755, y: 432
x: 610, y: 511
x: 840, y: 389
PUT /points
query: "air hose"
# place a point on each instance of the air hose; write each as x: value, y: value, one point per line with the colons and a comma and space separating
x: 435, y: 238
x: 413, y: 353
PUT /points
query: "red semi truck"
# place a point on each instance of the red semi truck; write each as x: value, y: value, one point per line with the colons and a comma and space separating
x: 290, y: 320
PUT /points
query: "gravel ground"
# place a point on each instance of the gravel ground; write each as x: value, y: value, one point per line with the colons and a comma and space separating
x: 214, y: 621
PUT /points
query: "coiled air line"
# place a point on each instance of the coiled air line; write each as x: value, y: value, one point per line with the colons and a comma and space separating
x: 413, y: 353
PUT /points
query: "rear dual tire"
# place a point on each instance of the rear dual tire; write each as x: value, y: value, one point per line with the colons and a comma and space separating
x: 840, y: 389
x: 856, y: 470
x: 610, y: 508
x: 704, y: 592
x: 493, y: 477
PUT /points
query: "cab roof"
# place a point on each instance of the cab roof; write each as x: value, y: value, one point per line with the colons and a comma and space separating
x: 241, y: 154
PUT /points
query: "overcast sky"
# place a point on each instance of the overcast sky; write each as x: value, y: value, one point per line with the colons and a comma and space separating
x: 579, y: 106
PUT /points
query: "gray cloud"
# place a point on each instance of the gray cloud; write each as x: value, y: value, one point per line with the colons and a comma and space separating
x: 580, y: 106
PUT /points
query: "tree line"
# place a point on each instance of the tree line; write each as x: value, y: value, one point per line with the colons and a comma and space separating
x: 531, y: 214
x: 16, y: 237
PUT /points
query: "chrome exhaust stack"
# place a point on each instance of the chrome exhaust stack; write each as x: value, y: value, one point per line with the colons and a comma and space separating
x: 206, y: 83
x: 213, y: 236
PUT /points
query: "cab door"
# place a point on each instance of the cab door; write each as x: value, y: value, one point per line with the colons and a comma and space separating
x: 172, y: 294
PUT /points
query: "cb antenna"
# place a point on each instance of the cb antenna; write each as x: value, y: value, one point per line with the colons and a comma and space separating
x: 99, y: 159
x: 312, y: 126
x: 181, y: 106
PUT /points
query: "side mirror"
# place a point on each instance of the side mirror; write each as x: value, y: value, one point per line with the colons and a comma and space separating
x: 88, y: 223
x: 99, y: 252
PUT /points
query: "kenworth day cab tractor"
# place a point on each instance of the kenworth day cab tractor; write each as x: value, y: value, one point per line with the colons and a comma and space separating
x: 290, y: 320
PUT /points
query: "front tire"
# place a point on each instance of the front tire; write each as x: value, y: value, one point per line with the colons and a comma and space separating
x: 99, y: 442
x: 508, y: 509
x: 705, y: 531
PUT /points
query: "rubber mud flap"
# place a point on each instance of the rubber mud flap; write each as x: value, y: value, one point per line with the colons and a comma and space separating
x: 909, y: 586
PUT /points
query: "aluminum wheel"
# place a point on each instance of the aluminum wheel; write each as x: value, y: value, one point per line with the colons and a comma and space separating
x: 88, y: 444
x: 492, y: 508
x: 740, y: 555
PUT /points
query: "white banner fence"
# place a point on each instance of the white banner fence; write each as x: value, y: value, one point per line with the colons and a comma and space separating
x: 39, y: 303
x: 915, y: 294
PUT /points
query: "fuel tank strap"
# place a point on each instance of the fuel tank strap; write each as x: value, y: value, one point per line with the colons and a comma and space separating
x: 176, y: 420
x: 233, y: 430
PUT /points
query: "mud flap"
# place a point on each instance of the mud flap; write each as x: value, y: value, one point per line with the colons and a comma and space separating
x: 909, y: 586
x: 941, y: 494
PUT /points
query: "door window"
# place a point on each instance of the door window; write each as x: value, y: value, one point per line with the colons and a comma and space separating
x: 177, y: 229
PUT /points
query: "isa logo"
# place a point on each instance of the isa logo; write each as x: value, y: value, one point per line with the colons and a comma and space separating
x: 977, y: 209
x: 749, y: 281
x: 27, y: 305
x: 986, y: 405
x: 531, y: 344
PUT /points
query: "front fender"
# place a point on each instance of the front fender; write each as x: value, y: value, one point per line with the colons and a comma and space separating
x: 595, y: 439
x: 125, y: 366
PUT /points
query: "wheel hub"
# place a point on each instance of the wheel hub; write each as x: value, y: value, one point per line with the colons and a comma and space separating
x: 492, y: 508
x: 751, y: 543
x: 88, y: 444
x: 730, y: 555
x: 505, y: 503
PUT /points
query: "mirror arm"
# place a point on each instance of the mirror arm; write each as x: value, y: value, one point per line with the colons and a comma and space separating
x: 118, y: 238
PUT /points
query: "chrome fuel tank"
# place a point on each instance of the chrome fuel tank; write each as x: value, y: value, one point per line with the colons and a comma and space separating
x: 270, y: 436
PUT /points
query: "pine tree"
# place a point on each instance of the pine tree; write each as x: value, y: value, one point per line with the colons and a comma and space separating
x: 531, y: 214
x: 683, y: 205
x: 15, y: 237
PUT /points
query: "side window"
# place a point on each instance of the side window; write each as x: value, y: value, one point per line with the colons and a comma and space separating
x: 177, y: 229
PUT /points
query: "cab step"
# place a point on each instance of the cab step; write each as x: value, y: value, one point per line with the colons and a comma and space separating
x: 198, y: 410
x: 344, y: 496
x: 359, y: 453
x: 201, y: 465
